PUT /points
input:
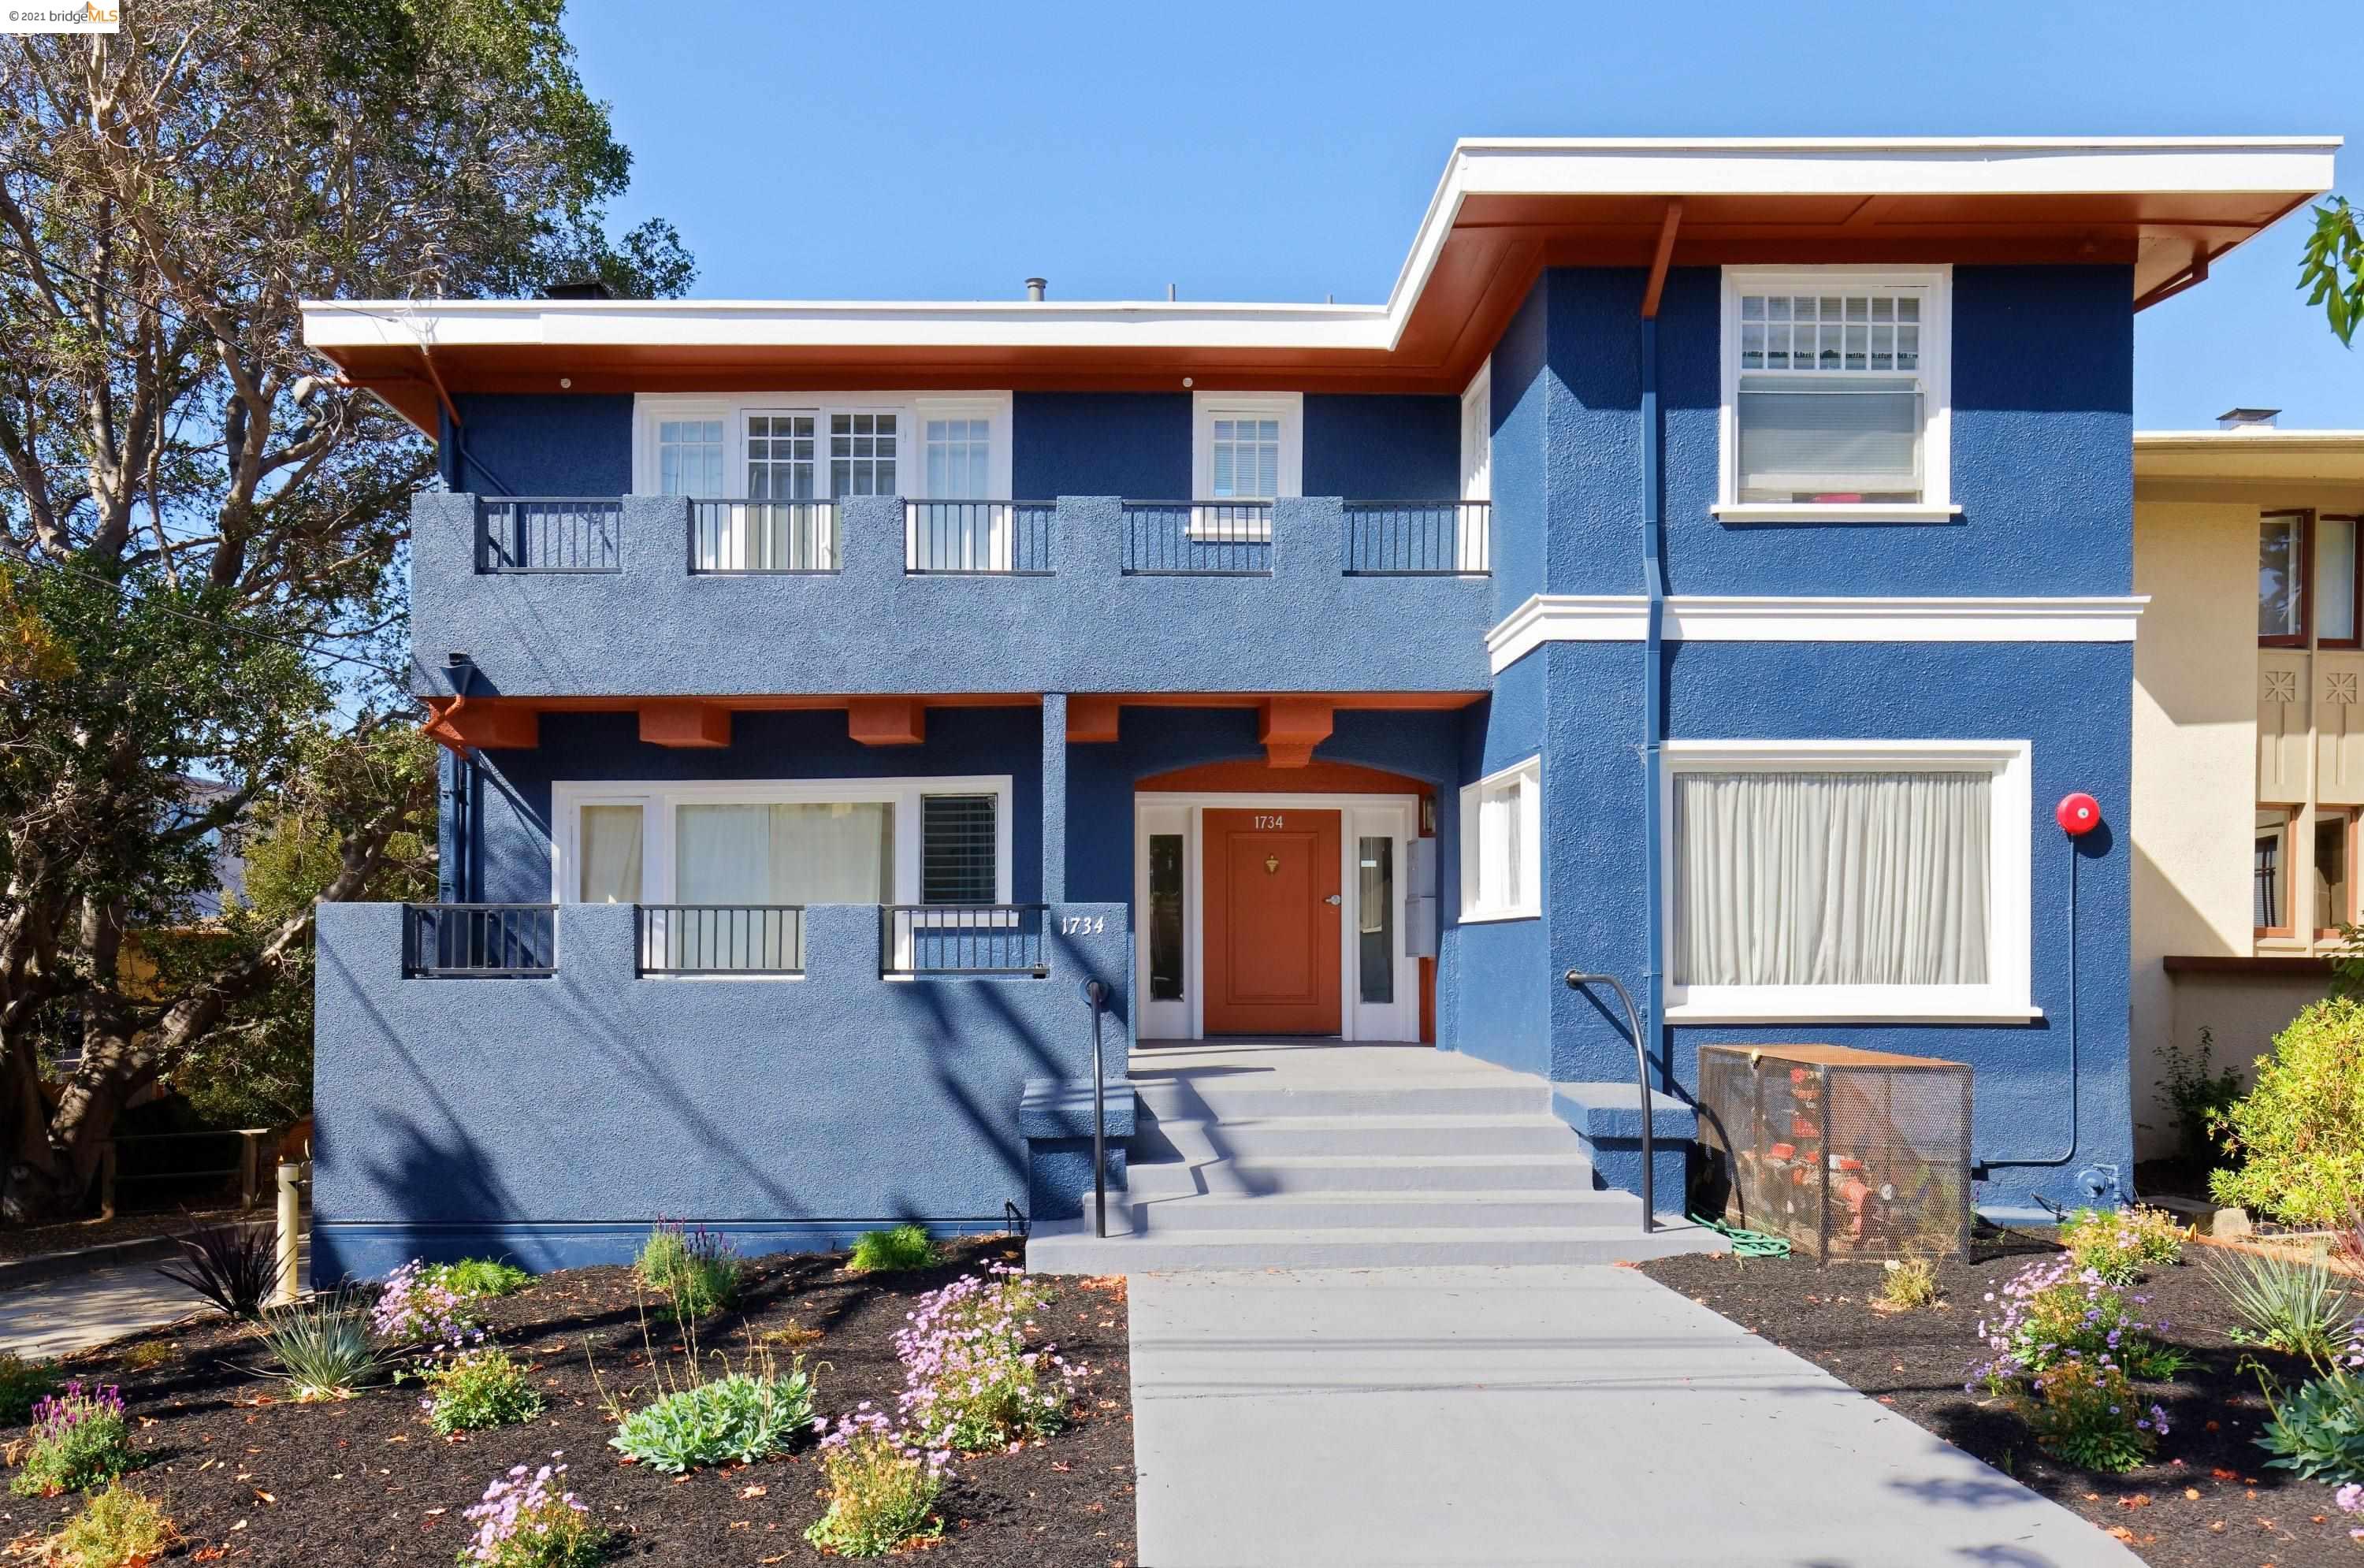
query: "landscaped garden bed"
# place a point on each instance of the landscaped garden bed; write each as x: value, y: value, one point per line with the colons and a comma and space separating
x: 2206, y: 1497
x: 248, y: 1474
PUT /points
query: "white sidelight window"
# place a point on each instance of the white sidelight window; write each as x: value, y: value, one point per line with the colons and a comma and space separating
x: 1837, y: 879
x: 689, y: 457
x: 1501, y: 840
x: 1836, y: 393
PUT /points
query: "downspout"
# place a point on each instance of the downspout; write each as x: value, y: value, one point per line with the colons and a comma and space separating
x: 1654, y: 630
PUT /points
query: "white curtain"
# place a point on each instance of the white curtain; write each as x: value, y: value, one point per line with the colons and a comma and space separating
x: 610, y: 845
x: 1831, y: 878
x: 832, y: 853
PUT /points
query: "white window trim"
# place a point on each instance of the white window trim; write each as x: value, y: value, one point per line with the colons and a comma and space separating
x: 658, y: 801
x: 1529, y: 904
x: 913, y: 409
x: 1936, y: 372
x: 1288, y: 407
x: 1477, y: 399
x: 2006, y: 997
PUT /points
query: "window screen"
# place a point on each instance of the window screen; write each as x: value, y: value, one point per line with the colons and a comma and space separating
x: 956, y: 850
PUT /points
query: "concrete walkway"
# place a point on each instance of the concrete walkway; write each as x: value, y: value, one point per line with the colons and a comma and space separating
x: 1512, y: 1416
x: 73, y: 1312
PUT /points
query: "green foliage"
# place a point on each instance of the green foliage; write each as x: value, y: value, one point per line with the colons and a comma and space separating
x: 744, y: 1416
x: 882, y: 1492
x: 694, y: 1269
x: 2084, y: 1411
x: 478, y: 1279
x: 478, y: 1389
x: 2292, y: 1305
x: 324, y: 1346
x: 236, y: 1267
x: 2300, y: 1129
x: 2319, y: 1431
x: 2333, y: 267
x: 904, y: 1246
x: 2198, y: 1097
x: 117, y: 1528
x: 23, y: 1383
x: 2119, y: 1243
x: 81, y: 1440
x: 1907, y: 1285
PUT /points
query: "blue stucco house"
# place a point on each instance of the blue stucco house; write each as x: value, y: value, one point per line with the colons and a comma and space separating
x: 1708, y: 568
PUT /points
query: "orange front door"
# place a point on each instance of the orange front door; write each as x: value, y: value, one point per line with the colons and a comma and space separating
x: 1273, y: 916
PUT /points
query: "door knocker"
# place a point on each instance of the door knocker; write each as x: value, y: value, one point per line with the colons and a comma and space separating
x: 1272, y: 865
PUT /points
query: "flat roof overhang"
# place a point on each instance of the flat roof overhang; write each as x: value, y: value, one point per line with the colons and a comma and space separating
x: 2245, y: 464
x: 1503, y: 211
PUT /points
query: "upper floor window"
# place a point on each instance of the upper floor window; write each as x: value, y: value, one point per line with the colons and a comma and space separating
x: 820, y: 447
x: 1836, y: 400
x: 1477, y: 436
x: 1247, y: 446
x: 689, y: 457
x: 2308, y: 580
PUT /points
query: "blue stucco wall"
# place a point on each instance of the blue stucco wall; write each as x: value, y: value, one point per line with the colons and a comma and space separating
x: 511, y: 845
x: 1100, y: 444
x: 552, y: 1121
x: 1375, y: 447
x: 1493, y: 997
x: 655, y: 629
x: 559, y: 443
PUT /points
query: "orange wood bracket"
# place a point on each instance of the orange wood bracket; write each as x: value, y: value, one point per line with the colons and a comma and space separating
x: 1090, y: 718
x: 1662, y: 261
x: 684, y: 724
x: 489, y: 727
x: 886, y: 721
x: 1292, y: 727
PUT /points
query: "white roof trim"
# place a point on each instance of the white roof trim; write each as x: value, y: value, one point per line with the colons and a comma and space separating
x: 1518, y: 166
x: 1722, y: 617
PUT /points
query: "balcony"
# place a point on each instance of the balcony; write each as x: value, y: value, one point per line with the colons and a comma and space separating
x: 663, y: 596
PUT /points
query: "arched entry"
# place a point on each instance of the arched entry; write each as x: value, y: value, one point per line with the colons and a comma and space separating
x: 1271, y: 902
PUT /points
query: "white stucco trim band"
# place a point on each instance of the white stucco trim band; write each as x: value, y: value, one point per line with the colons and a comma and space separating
x: 1720, y: 617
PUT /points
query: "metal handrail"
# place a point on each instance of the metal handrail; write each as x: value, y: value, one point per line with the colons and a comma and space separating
x: 1096, y: 996
x: 1577, y: 980
x: 493, y: 941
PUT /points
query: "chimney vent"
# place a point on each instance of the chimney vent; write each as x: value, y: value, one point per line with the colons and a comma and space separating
x: 2248, y: 418
x: 1035, y: 287
x: 578, y: 288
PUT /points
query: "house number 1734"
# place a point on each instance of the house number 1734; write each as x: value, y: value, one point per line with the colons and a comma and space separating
x: 1262, y: 823
x: 1083, y: 925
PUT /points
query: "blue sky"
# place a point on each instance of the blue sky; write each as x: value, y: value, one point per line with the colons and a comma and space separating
x: 1283, y: 151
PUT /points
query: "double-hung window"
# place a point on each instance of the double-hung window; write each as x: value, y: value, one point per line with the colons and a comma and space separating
x: 1836, y: 395
x: 1246, y: 451
x: 1502, y: 842
x: 1847, y: 879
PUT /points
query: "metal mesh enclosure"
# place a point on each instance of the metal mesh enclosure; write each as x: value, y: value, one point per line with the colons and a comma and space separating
x: 1848, y: 1153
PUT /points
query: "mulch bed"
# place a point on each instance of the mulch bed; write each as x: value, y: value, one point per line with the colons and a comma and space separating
x: 2207, y: 1502
x: 250, y: 1478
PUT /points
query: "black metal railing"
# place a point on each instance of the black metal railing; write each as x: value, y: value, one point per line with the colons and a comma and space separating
x: 977, y: 539
x: 485, y: 940
x: 554, y: 534
x: 721, y: 939
x: 1096, y: 997
x: 1198, y: 538
x: 1419, y: 538
x: 963, y: 938
x: 1577, y: 981
x: 764, y: 538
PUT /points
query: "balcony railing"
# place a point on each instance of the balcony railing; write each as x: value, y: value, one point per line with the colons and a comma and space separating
x: 977, y: 539
x: 963, y: 938
x: 480, y: 940
x: 549, y: 534
x: 764, y: 538
x: 721, y: 939
x: 1419, y: 538
x: 1198, y: 538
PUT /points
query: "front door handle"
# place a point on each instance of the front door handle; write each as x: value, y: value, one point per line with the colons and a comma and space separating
x: 1333, y: 901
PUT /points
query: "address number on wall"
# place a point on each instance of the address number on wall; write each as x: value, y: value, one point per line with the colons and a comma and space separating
x: 1262, y: 823
x: 1083, y: 925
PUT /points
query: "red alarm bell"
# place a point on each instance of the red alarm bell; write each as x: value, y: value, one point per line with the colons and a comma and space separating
x: 2076, y: 813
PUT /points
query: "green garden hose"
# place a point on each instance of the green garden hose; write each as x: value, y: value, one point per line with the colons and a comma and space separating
x: 1746, y: 1243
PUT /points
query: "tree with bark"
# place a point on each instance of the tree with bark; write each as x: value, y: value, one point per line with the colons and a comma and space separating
x: 202, y: 534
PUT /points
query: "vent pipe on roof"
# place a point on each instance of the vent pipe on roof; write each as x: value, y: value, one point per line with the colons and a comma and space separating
x: 2248, y: 418
x: 1035, y: 287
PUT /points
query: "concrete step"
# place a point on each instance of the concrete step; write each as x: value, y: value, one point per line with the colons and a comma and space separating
x: 1260, y: 1137
x: 1225, y: 1099
x: 1206, y: 1172
x: 1069, y: 1247
x: 1318, y: 1214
